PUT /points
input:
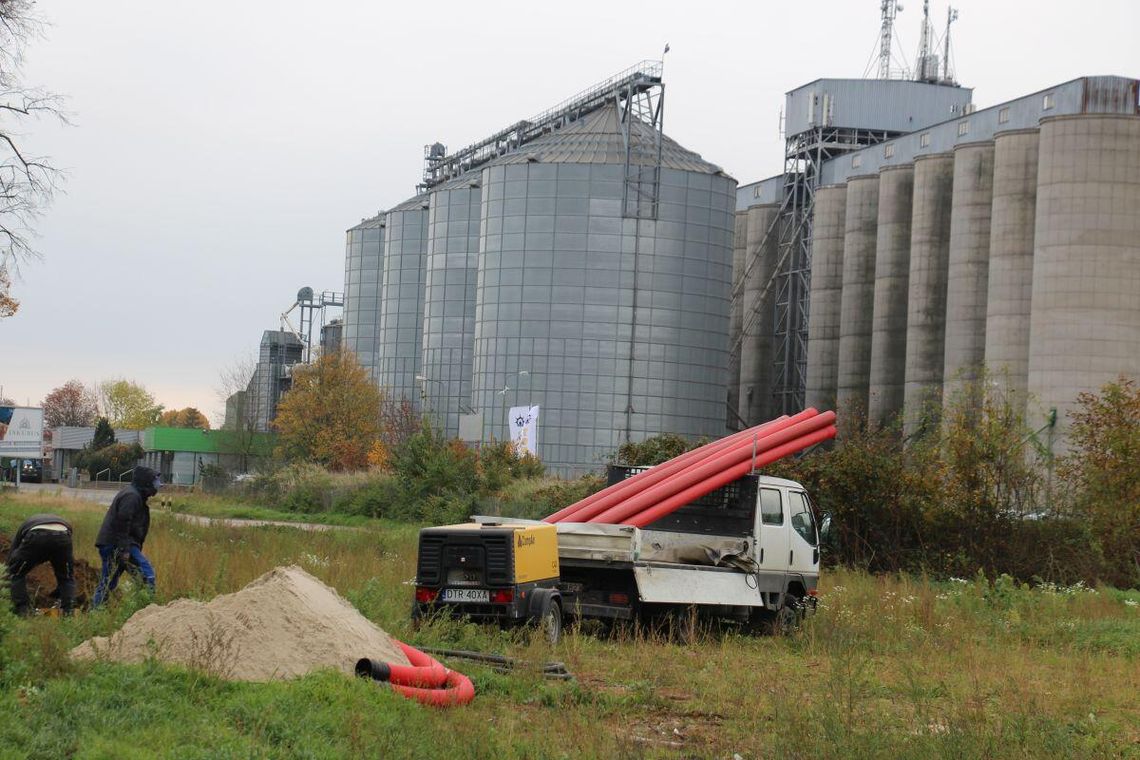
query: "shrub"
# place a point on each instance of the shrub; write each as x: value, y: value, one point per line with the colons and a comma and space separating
x: 654, y: 450
x: 116, y: 457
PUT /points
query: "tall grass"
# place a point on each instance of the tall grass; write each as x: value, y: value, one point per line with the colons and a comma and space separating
x: 891, y: 666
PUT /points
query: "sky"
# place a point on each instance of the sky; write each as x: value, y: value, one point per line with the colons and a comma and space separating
x: 219, y: 150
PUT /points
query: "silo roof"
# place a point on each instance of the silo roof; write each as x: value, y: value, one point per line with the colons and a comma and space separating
x: 371, y: 223
x: 416, y: 203
x: 596, y: 138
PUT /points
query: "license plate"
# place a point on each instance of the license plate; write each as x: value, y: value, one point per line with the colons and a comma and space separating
x: 467, y: 595
x: 464, y: 577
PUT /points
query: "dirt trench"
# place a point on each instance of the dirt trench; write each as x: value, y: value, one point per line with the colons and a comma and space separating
x: 41, y: 580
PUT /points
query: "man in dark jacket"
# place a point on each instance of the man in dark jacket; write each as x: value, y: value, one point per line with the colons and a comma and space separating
x: 42, y: 538
x: 120, y: 540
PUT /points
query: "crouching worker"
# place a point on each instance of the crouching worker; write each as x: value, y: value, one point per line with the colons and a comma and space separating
x: 120, y: 540
x: 42, y: 538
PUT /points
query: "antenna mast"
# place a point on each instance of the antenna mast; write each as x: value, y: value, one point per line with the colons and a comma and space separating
x: 951, y: 17
x: 890, y: 9
x: 926, y: 70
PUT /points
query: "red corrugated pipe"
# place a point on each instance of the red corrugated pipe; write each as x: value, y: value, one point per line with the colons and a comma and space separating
x: 424, y: 679
x: 712, y: 467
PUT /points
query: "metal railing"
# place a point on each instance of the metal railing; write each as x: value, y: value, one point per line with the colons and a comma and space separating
x: 100, y: 474
x: 128, y: 472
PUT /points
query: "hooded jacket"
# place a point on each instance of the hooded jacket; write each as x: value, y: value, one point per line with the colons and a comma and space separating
x: 34, y: 522
x: 128, y: 518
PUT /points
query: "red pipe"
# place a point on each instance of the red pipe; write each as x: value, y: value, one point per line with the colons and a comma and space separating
x: 694, y: 492
x: 669, y: 475
x: 424, y: 669
x: 709, y: 468
x: 459, y: 691
x: 641, y: 480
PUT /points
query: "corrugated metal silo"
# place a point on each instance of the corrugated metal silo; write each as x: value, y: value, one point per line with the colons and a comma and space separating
x: 363, y: 274
x: 736, y: 319
x: 826, y: 294
x: 967, y: 277
x: 1085, y: 321
x: 1011, y: 260
x: 756, y: 370
x: 926, y: 302
x: 617, y: 327
x: 449, y: 299
x: 858, y: 297
x: 892, y: 276
x: 402, y: 300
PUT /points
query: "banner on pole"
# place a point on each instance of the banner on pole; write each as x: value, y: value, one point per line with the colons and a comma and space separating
x: 523, y: 421
x: 21, y: 432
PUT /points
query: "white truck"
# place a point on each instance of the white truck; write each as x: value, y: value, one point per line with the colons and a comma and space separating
x: 748, y: 551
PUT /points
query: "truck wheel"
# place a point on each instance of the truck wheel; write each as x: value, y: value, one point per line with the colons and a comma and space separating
x: 551, y: 622
x: 788, y: 617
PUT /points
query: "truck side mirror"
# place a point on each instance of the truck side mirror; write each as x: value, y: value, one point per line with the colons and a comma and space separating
x: 825, y: 526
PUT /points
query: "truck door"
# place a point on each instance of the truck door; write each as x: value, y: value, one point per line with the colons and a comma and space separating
x: 804, y: 546
x: 772, y: 540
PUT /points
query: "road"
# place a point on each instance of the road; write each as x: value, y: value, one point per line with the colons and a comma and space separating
x: 104, y: 498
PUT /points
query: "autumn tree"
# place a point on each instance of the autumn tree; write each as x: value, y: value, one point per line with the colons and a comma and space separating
x: 331, y: 415
x: 129, y: 405
x: 1102, y: 472
x: 184, y: 418
x: 27, y: 182
x: 71, y: 404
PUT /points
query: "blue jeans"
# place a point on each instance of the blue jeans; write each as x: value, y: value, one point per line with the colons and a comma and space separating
x: 112, y: 569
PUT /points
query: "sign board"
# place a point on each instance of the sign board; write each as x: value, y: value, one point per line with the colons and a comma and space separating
x: 523, y: 422
x: 21, y: 432
x: 471, y: 427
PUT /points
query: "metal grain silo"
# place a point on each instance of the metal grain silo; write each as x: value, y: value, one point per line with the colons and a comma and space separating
x: 858, y: 298
x: 926, y: 302
x: 402, y: 300
x: 826, y: 292
x: 736, y: 318
x: 452, y: 265
x: 1011, y: 260
x: 967, y: 276
x: 1085, y: 320
x: 892, y: 276
x: 756, y: 370
x: 615, y: 326
x: 363, y: 275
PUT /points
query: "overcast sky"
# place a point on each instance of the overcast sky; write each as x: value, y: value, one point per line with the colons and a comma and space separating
x: 220, y: 149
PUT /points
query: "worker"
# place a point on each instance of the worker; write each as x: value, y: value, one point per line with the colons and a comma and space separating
x: 42, y: 538
x: 121, y: 538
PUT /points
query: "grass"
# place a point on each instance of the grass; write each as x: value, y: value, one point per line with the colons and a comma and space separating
x: 890, y: 667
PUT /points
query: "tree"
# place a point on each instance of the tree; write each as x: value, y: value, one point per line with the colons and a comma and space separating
x: 104, y: 434
x: 71, y: 404
x: 1102, y: 471
x: 239, y: 435
x: 331, y: 416
x: 129, y: 405
x: 27, y: 182
x: 184, y: 418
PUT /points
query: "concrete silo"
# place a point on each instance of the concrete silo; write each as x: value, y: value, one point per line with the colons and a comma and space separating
x: 1085, y: 319
x: 967, y: 276
x: 858, y: 297
x: 613, y: 322
x: 756, y: 370
x: 1011, y: 260
x: 826, y: 293
x: 736, y: 319
x: 892, y: 276
x: 363, y: 273
x: 451, y: 269
x: 402, y: 300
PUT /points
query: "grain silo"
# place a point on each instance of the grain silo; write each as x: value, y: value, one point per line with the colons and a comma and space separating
x: 736, y: 320
x: 826, y: 293
x: 603, y: 291
x: 1085, y: 321
x: 857, y: 299
x: 402, y: 300
x: 363, y: 273
x: 449, y: 300
x: 756, y: 335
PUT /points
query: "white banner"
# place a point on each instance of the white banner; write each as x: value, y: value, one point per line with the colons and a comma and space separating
x: 523, y: 421
x: 21, y: 432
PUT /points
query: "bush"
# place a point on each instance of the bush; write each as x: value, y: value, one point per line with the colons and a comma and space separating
x: 116, y: 457
x: 654, y: 450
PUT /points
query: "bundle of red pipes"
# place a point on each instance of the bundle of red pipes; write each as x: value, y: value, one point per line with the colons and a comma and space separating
x: 665, y: 488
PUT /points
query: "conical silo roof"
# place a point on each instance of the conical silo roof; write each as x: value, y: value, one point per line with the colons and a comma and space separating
x: 596, y: 138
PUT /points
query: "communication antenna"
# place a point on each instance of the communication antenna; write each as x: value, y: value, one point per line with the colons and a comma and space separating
x: 924, y: 70
x: 951, y: 17
x: 890, y: 9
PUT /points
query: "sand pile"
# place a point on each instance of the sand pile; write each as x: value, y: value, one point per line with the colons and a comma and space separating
x: 284, y: 624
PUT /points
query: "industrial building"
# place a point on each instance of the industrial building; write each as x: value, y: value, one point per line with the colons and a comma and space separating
x: 579, y: 261
x: 951, y: 239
